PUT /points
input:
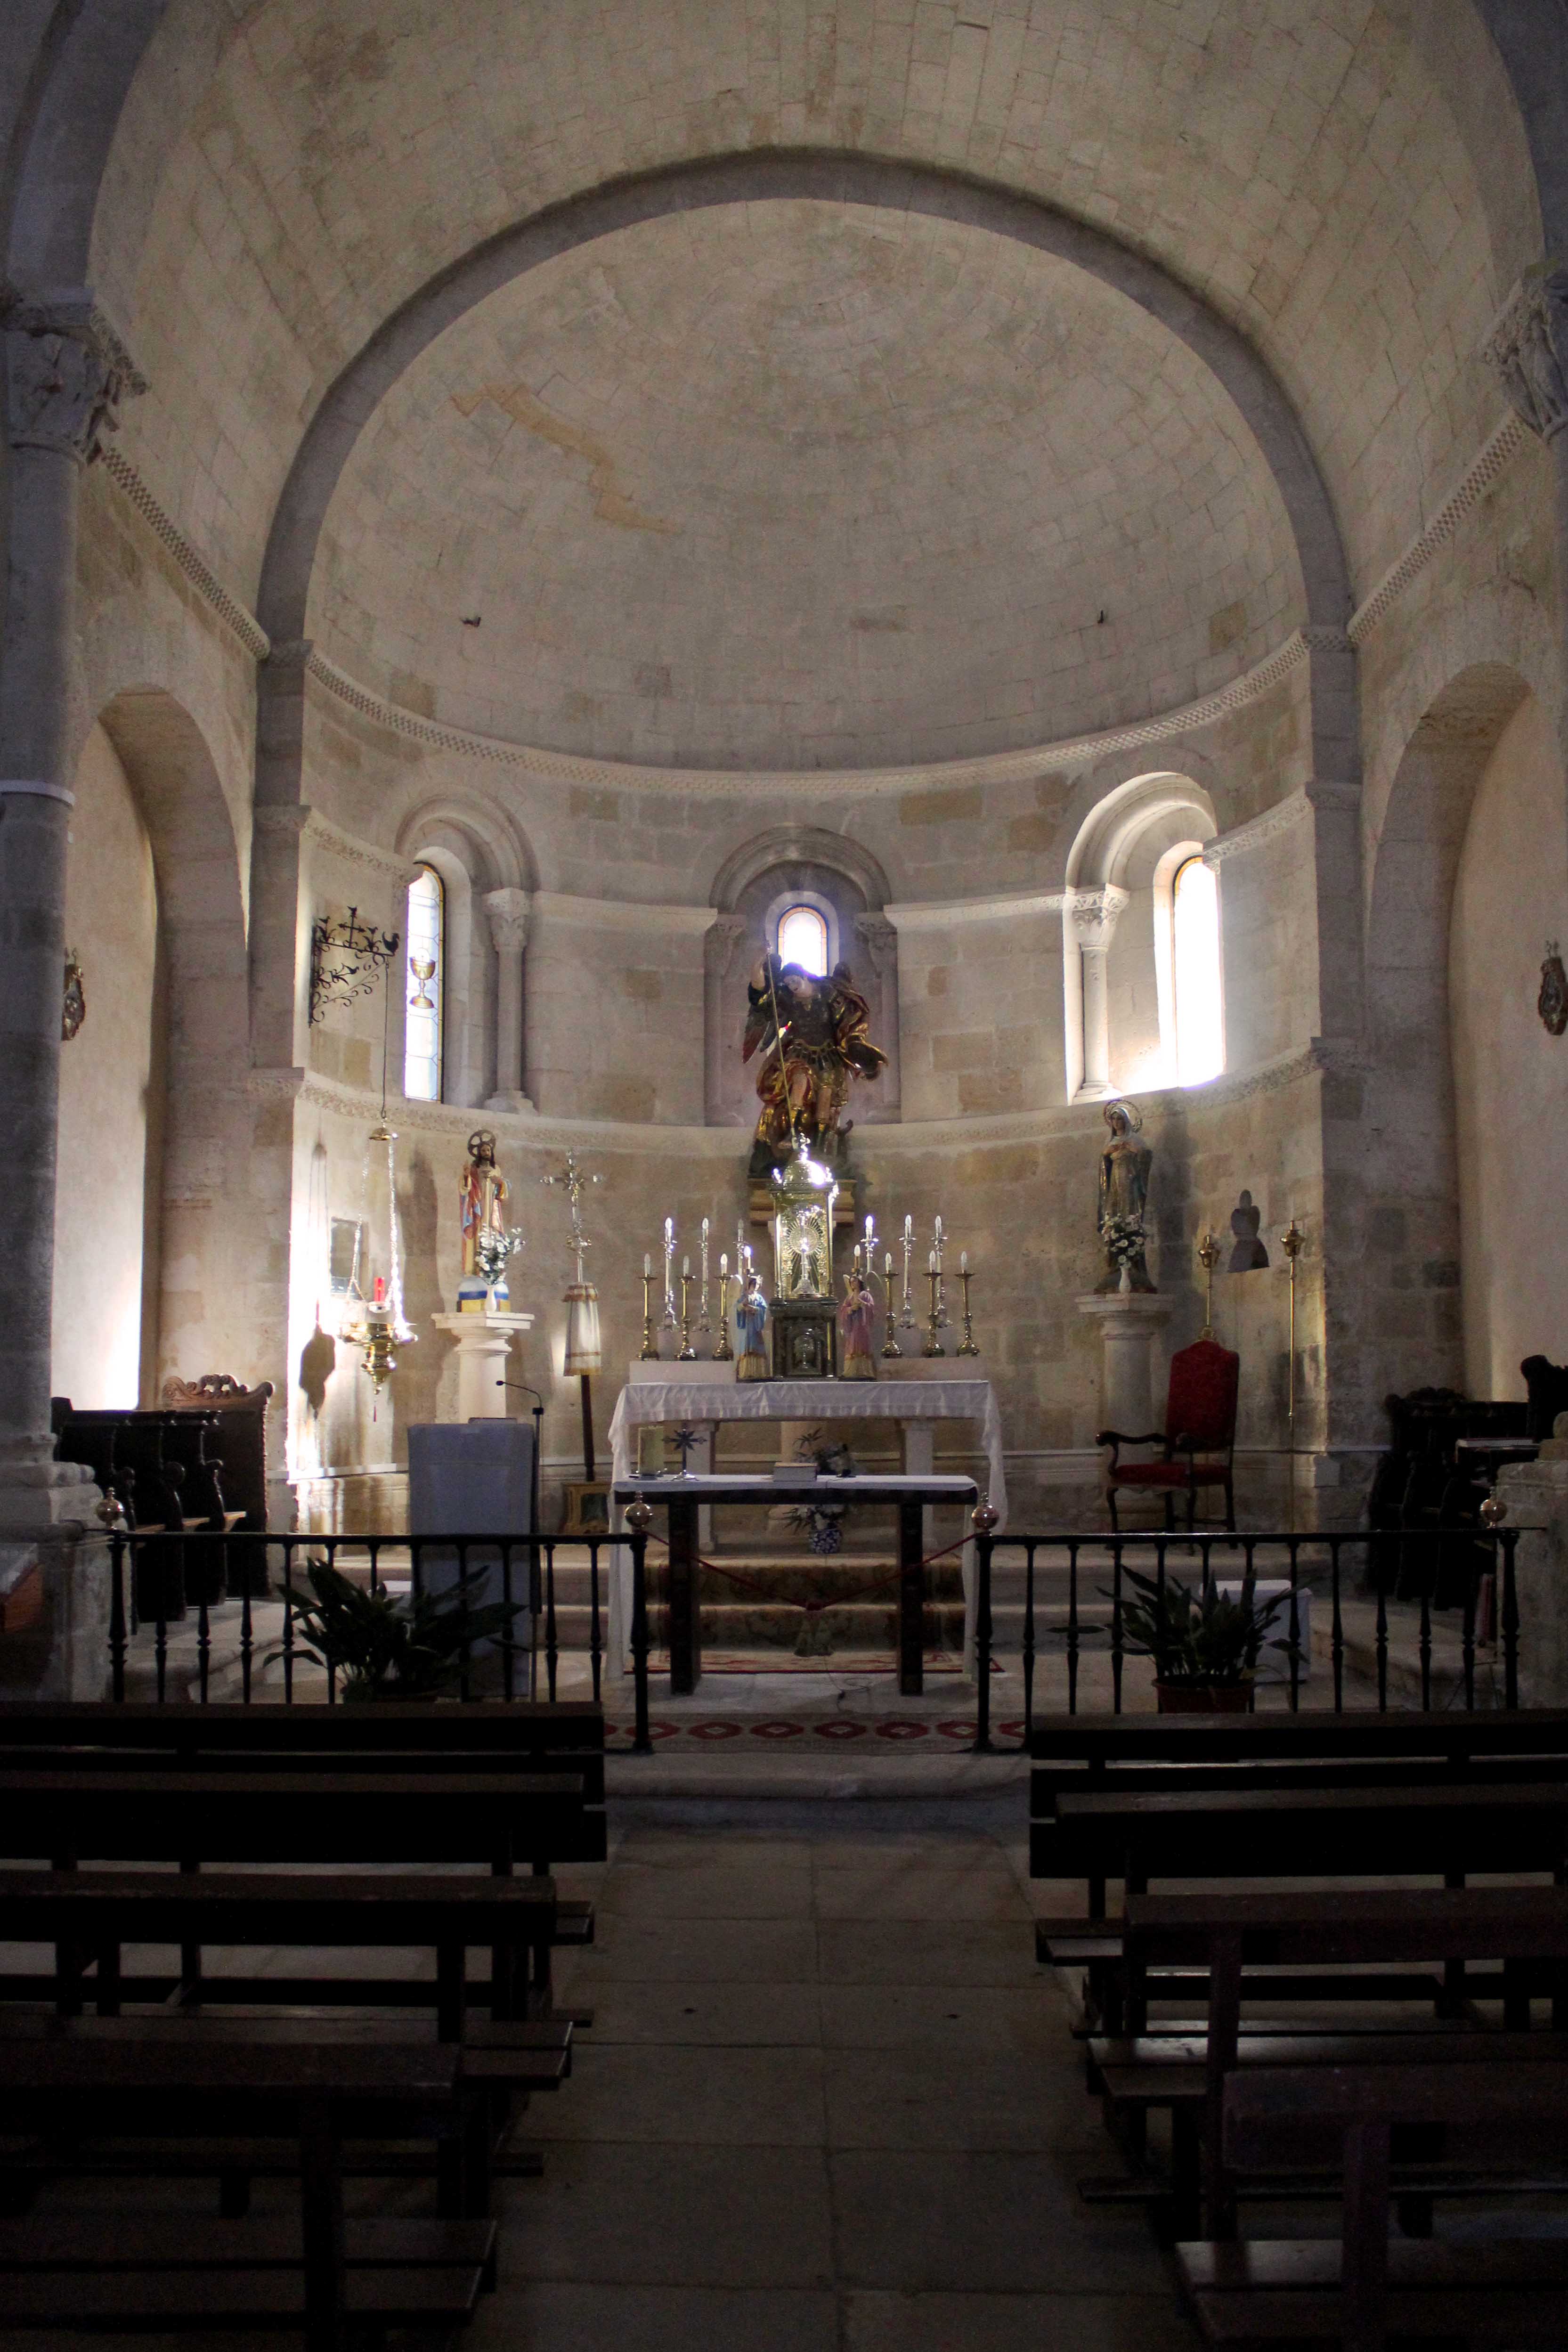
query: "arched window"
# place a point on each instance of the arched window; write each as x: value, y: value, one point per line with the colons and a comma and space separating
x: 426, y: 945
x: 1194, y: 972
x: 803, y: 939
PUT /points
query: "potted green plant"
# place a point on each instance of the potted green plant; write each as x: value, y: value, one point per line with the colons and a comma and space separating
x: 382, y: 1648
x: 1205, y: 1646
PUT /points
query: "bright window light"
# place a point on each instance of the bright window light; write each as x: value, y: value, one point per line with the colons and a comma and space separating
x: 426, y: 974
x: 803, y: 939
x: 1199, y: 1023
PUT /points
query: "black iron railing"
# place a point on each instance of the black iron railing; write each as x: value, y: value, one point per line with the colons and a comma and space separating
x: 1479, y: 1564
x: 158, y: 1580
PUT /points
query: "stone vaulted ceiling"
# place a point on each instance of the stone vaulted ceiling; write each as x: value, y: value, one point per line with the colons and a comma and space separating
x: 786, y: 458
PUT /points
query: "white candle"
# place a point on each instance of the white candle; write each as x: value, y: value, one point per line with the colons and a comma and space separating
x: 669, y: 1233
x: 932, y: 1265
x: 870, y: 1229
x: 909, y: 1229
x: 647, y: 1262
x: 887, y: 1264
x: 705, y: 1229
x: 963, y: 1261
x: 686, y: 1268
x: 724, y: 1266
x: 938, y: 1232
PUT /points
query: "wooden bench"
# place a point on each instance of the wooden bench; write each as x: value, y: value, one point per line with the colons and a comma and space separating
x: 387, y: 1818
x: 90, y: 1915
x: 81, y: 2079
x: 1076, y: 1755
x: 1358, y: 1929
x: 1364, y: 2291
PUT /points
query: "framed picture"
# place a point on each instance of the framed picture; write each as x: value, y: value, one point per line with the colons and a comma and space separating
x: 587, y: 1507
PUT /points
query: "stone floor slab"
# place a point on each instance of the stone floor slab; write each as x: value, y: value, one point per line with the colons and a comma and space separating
x: 700, y: 1951
x: 1015, y: 2322
x: 956, y: 2221
x: 562, y: 2316
x: 786, y: 2016
x: 711, y: 2097
x: 680, y: 2217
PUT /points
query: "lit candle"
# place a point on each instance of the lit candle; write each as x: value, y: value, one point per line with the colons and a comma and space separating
x: 669, y: 1233
x: 887, y: 1265
x: 932, y: 1264
x: 870, y: 1230
x: 938, y: 1234
x: 909, y: 1229
x: 724, y: 1266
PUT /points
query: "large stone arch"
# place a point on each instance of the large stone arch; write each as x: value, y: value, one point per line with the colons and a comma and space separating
x: 203, y: 1242
x: 757, y: 175
x: 1410, y: 1253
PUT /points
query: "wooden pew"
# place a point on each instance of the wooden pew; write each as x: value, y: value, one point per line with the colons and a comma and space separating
x: 92, y: 1914
x: 1360, y: 1929
x: 75, y: 2082
x: 564, y: 1736
x: 1079, y: 1753
x: 1365, y: 2290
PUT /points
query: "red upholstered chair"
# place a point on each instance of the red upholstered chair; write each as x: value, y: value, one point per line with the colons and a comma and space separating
x: 1198, y: 1438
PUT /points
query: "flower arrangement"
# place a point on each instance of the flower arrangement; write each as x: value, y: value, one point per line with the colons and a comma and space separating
x: 492, y: 1253
x: 1123, y: 1238
x: 824, y: 1523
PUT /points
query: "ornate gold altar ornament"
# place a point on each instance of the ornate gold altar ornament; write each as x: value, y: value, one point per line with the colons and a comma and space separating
x: 890, y: 1346
x: 724, y: 1353
x: 966, y: 1345
x: 424, y: 970
x: 382, y: 1328
x: 804, y: 1328
x: 1553, y: 1002
x: 583, y: 1345
x: 73, y: 1003
x: 933, y: 1342
x: 649, y: 1347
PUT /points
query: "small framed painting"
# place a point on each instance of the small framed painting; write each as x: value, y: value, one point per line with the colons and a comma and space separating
x: 587, y: 1507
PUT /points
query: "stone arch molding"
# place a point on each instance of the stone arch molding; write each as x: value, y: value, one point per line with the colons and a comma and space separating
x: 829, y: 177
x: 808, y: 844
x: 1096, y: 896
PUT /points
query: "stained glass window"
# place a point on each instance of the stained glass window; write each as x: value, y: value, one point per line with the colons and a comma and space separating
x: 425, y: 975
x: 1199, y: 1021
x: 803, y: 939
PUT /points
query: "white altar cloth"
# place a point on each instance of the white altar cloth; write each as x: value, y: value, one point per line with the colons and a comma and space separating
x: 711, y: 1397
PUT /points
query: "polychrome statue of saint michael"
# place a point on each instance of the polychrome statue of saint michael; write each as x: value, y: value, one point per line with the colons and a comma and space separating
x: 813, y: 1036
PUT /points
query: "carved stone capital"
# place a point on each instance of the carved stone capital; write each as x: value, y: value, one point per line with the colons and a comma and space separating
x: 67, y: 373
x: 1094, y: 914
x: 880, y: 941
x: 508, y: 911
x: 1528, y: 348
x: 720, y: 940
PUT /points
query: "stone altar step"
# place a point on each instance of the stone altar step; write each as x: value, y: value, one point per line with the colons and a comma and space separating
x: 856, y: 1627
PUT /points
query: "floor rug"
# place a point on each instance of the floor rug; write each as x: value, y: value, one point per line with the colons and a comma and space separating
x: 726, y: 1731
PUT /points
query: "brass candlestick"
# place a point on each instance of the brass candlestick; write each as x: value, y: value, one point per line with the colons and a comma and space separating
x: 890, y: 1346
x: 724, y: 1353
x: 1291, y: 1241
x: 966, y: 1345
x: 650, y: 1345
x: 688, y: 1354
x: 1208, y: 1258
x: 932, y: 1344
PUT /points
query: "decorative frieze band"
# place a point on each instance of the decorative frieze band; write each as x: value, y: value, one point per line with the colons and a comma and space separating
x: 1496, y: 456
x: 169, y: 535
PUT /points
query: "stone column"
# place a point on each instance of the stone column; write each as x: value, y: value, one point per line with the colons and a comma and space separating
x: 508, y: 912
x: 1528, y: 348
x: 880, y: 941
x: 66, y: 370
x: 720, y: 940
x: 1095, y: 915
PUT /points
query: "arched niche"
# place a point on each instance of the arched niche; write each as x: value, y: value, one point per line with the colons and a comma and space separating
x: 844, y: 882
x: 194, y: 1266
x: 1118, y: 994
x: 487, y: 876
x: 1457, y: 1263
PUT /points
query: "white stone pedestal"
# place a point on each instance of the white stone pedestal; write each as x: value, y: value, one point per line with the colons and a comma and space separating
x: 1130, y: 1321
x: 484, y: 1349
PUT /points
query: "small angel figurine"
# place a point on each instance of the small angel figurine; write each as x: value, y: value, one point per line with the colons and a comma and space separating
x: 857, y: 1314
x: 750, y: 1323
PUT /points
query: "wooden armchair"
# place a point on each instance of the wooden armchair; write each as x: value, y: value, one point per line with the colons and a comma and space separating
x: 1198, y: 1440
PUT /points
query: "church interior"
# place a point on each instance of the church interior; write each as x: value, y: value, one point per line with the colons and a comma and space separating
x: 783, y: 883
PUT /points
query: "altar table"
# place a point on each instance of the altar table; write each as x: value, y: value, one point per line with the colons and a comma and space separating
x: 684, y: 1496
x: 701, y: 1395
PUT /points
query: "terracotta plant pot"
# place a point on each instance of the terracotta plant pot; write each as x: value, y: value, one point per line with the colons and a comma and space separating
x: 1203, y: 1698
